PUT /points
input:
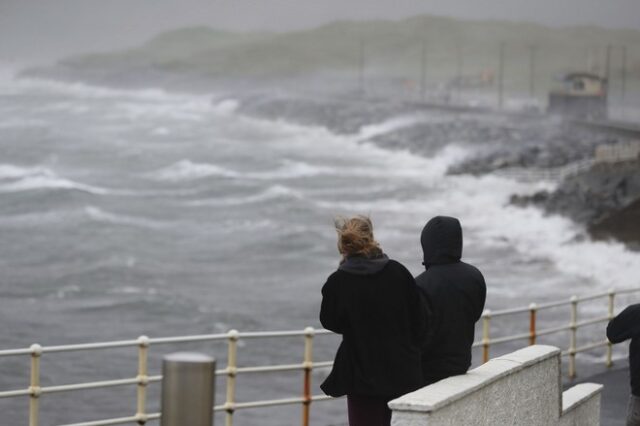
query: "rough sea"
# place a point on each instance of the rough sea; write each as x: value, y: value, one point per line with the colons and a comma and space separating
x: 144, y: 212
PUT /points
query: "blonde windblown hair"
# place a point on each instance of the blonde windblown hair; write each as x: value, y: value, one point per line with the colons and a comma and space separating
x: 355, y: 236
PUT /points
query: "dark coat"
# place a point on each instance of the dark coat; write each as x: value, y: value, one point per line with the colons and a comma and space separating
x: 455, y: 292
x: 375, y: 306
x: 627, y: 326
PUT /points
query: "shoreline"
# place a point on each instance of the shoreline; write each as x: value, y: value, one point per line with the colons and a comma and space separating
x: 597, y: 198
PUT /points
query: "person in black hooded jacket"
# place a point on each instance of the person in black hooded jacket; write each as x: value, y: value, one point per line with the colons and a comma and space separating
x: 455, y: 294
x: 626, y: 325
x: 374, y: 303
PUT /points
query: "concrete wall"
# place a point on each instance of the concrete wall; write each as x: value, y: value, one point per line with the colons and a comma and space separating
x: 520, y: 388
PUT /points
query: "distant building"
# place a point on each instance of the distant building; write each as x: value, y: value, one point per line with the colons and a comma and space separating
x: 582, y: 95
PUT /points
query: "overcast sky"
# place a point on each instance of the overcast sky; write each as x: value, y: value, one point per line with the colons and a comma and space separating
x: 40, y: 30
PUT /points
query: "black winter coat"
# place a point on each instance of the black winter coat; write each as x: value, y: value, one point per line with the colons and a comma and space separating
x: 627, y: 326
x: 455, y: 292
x: 375, y: 306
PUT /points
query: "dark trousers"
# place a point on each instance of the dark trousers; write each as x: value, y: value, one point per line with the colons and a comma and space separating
x: 633, y: 412
x: 368, y: 411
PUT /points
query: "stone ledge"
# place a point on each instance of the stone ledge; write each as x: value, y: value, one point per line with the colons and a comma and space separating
x: 452, y: 389
x: 579, y: 394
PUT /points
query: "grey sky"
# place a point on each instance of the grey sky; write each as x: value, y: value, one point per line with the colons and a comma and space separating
x: 44, y: 29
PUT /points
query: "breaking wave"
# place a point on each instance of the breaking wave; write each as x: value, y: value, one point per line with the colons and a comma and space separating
x: 20, y: 179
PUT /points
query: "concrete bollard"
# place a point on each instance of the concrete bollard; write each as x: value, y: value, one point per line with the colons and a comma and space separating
x: 188, y: 382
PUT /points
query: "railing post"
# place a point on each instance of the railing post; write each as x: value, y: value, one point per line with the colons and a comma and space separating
x: 532, y: 323
x: 34, y: 387
x: 573, y: 343
x: 188, y: 389
x: 232, y: 364
x: 486, y: 318
x: 143, y: 379
x: 612, y: 295
x: 308, y: 366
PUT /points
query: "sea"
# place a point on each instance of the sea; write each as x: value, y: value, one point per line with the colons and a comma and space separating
x: 149, y: 212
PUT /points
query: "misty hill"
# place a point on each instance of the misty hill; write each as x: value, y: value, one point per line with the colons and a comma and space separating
x: 392, y: 50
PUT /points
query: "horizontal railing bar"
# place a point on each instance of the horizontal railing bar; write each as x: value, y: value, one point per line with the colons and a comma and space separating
x: 90, y: 346
x: 267, y: 403
x: 509, y: 338
x: 586, y: 347
x: 592, y: 346
x: 286, y: 333
x: 160, y: 340
x: 90, y: 385
x: 271, y: 402
x: 13, y: 352
x: 323, y: 398
x: 553, y: 330
x: 592, y: 321
x: 186, y: 339
x: 592, y: 297
x: 270, y: 368
x: 627, y: 290
x: 509, y: 311
x: 15, y: 393
x: 158, y: 378
x: 117, y: 421
x: 550, y: 305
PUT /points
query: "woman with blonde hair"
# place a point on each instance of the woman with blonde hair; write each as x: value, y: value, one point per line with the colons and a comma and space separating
x: 373, y: 302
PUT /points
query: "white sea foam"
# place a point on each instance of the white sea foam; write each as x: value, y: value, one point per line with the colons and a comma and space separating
x: 32, y: 183
x: 185, y: 170
x: 10, y: 171
x: 38, y: 178
x: 481, y: 203
x: 100, y: 215
x: 226, y: 106
x: 388, y: 126
x: 188, y: 170
x: 271, y: 193
x: 291, y: 169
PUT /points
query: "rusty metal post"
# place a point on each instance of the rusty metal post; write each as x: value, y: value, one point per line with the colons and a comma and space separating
x: 308, y: 366
x: 188, y: 381
x: 532, y: 323
x: 486, y: 318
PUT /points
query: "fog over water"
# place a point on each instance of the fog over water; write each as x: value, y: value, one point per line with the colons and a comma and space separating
x: 38, y: 30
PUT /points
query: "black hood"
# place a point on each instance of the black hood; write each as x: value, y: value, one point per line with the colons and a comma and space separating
x: 441, y: 241
x: 363, y: 265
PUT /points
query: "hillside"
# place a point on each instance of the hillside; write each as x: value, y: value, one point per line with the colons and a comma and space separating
x: 392, y: 49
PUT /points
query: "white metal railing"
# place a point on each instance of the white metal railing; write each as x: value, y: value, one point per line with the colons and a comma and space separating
x: 35, y: 391
x: 572, y: 327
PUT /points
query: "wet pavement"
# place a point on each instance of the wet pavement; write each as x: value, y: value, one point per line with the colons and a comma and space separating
x: 615, y: 393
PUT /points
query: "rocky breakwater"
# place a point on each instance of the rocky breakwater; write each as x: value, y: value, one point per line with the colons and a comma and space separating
x: 605, y: 198
x: 603, y: 194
